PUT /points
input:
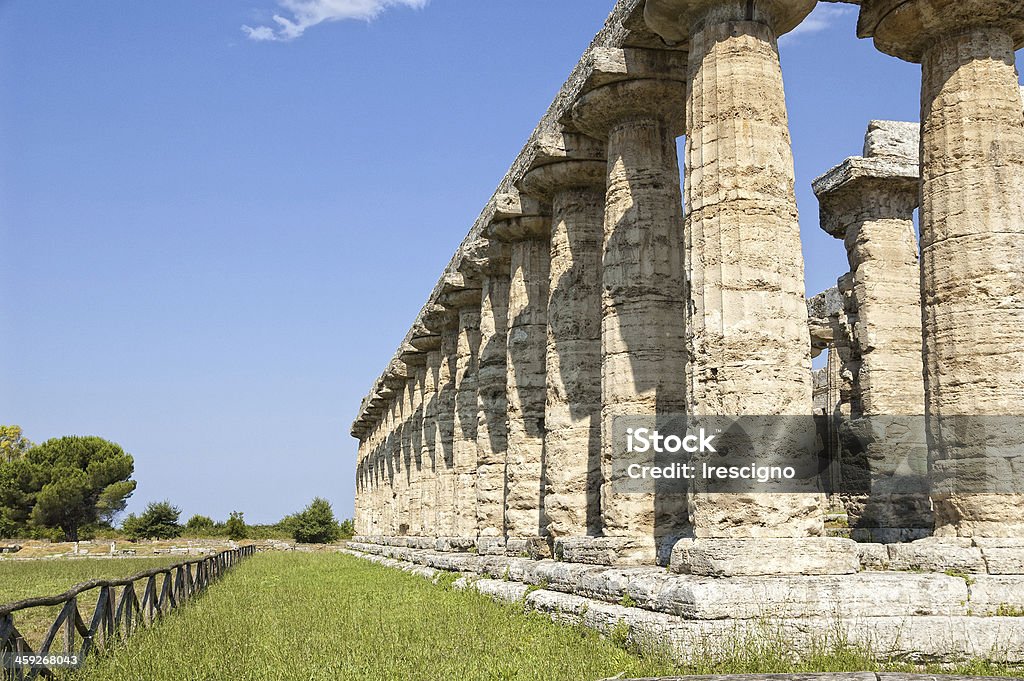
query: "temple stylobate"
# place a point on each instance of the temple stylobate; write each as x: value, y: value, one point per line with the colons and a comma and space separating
x: 586, y: 297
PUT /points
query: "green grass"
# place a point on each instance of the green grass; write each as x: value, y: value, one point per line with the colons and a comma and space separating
x: 33, y: 578
x: 329, y: 616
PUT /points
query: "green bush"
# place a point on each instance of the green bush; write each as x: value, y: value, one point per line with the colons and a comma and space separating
x: 236, y: 526
x: 315, y: 524
x: 200, y: 523
x: 347, y: 528
x: 158, y: 521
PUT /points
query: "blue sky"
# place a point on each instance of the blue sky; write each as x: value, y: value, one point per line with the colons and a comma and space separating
x: 217, y: 226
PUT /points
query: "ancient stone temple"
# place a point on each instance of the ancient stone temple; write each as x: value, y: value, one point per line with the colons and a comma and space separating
x: 586, y: 296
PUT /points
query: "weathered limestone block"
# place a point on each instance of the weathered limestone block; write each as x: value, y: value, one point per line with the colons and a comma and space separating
x: 748, y: 341
x: 996, y: 595
x: 492, y: 266
x: 644, y: 291
x: 606, y: 550
x: 767, y: 556
x: 528, y: 234
x: 1003, y: 556
x: 972, y: 224
x: 573, y: 186
x: 936, y: 554
x: 465, y: 296
x: 869, y: 203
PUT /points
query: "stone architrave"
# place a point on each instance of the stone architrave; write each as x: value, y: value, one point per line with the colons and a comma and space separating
x: 972, y: 249
x: 869, y: 202
x: 643, y: 289
x: 748, y: 335
x: 568, y: 177
x: 528, y: 234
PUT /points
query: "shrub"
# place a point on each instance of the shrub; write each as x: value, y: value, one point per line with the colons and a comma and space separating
x: 200, y: 523
x: 158, y: 521
x: 316, y: 524
x: 236, y: 526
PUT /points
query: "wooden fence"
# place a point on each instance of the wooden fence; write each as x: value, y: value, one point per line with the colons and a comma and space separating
x: 119, y: 612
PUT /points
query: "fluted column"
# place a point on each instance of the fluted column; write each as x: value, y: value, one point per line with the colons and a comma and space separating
x: 416, y: 360
x: 643, y: 299
x: 359, y: 503
x: 445, y: 323
x: 392, y: 452
x: 869, y: 202
x: 529, y: 255
x: 570, y: 179
x: 972, y: 246
x: 429, y: 451
x: 463, y: 295
x: 490, y: 262
x: 749, y: 342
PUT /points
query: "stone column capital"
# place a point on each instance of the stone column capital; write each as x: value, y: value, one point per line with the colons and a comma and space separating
x: 518, y: 217
x: 545, y: 181
x: 425, y: 341
x: 438, y: 318
x: 396, y: 375
x: 884, y: 183
x: 676, y: 20
x: 564, y: 160
x: 906, y: 28
x: 866, y: 188
x: 485, y: 258
x: 460, y: 291
x: 413, y: 357
x: 599, y: 111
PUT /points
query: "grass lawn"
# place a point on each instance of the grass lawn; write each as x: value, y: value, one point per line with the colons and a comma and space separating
x: 23, y: 579
x: 329, y: 616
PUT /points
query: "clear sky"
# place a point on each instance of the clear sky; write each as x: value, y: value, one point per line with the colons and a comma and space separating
x: 217, y: 226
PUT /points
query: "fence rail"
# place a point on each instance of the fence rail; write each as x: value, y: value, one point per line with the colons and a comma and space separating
x: 119, y: 612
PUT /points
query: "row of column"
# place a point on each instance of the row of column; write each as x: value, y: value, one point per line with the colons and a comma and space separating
x: 593, y: 296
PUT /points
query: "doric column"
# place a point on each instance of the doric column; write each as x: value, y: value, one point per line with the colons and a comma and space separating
x: 490, y: 262
x: 972, y: 248
x: 869, y: 202
x: 643, y: 300
x: 568, y: 178
x: 430, y: 344
x: 445, y: 324
x: 748, y: 338
x: 392, y: 450
x: 396, y: 379
x: 528, y: 232
x: 359, y: 503
x: 463, y: 295
x: 416, y: 360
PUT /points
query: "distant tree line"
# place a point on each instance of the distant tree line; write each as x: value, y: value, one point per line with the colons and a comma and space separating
x: 73, y: 488
x: 315, y: 524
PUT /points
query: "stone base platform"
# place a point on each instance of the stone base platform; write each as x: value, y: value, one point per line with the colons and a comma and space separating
x: 746, y: 557
x: 908, y: 615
